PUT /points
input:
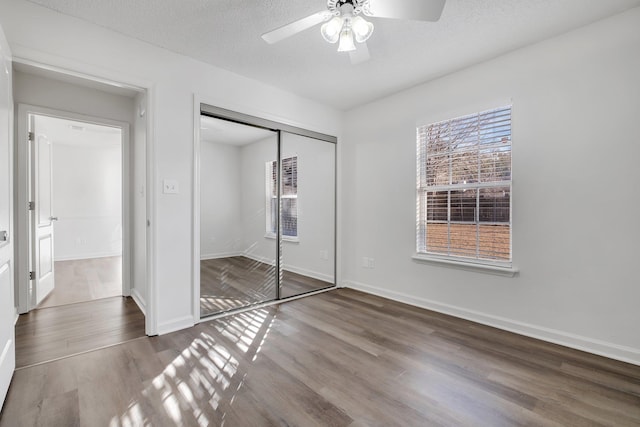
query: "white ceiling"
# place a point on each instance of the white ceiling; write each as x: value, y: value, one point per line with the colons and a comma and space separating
x: 226, y: 33
x: 226, y: 132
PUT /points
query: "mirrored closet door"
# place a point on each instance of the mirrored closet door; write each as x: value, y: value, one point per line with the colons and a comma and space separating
x: 307, y: 214
x: 237, y: 259
x: 267, y: 214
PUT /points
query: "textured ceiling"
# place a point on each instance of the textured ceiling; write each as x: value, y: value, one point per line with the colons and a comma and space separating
x: 226, y: 33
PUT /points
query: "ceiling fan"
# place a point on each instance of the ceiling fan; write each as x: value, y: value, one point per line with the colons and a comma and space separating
x: 344, y: 23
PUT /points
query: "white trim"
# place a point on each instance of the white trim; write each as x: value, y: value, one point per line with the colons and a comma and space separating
x: 195, y: 219
x: 137, y: 298
x: 176, y: 324
x: 264, y: 260
x: 601, y: 348
x: 49, y: 62
x: 450, y: 262
x: 313, y: 274
x: 204, y: 257
x: 88, y: 256
x: 151, y: 318
x: 22, y: 229
x: 290, y: 239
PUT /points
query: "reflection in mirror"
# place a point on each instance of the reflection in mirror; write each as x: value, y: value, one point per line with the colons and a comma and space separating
x: 308, y: 214
x: 237, y: 266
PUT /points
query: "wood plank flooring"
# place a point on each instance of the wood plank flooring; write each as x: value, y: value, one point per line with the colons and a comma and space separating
x: 85, y: 280
x: 55, y: 332
x: 341, y: 358
x: 235, y: 282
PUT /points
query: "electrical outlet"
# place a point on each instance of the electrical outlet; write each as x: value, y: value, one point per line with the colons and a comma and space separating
x: 170, y: 186
x: 367, y: 262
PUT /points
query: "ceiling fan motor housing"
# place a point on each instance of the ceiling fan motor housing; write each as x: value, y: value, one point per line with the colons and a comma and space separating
x: 359, y: 6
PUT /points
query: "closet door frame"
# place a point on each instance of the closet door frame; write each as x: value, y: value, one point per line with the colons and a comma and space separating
x: 245, y: 119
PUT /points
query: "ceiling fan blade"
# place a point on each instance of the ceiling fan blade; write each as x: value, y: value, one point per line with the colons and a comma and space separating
x: 413, y: 10
x: 295, y: 27
x: 360, y: 55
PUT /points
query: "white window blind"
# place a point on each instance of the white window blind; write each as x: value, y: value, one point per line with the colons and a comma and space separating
x: 464, y: 187
x: 289, y: 196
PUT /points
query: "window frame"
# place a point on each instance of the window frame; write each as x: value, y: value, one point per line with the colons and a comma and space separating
x: 424, y: 188
x: 272, y: 196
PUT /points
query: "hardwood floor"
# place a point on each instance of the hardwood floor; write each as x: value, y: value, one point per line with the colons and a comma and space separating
x: 55, y: 332
x: 341, y: 358
x: 85, y: 280
x: 235, y: 282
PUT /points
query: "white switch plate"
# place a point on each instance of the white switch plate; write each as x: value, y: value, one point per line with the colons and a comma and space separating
x: 170, y: 186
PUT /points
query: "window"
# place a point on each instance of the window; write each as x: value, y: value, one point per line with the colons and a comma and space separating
x: 464, y: 188
x: 289, y: 197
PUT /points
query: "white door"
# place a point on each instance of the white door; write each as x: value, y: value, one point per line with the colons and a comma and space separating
x: 41, y: 216
x: 7, y: 306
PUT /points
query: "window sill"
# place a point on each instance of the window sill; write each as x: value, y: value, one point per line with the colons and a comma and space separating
x: 469, y: 266
x: 289, y: 239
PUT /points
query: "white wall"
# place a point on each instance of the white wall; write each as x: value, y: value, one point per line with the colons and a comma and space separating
x: 87, y: 199
x: 221, y: 228
x: 253, y: 158
x: 174, y: 79
x: 313, y: 255
x: 50, y: 93
x: 576, y: 104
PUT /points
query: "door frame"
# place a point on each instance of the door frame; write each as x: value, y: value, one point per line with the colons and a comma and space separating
x: 22, y: 196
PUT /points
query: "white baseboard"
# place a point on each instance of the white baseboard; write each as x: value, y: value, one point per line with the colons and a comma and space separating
x: 590, y: 345
x: 293, y: 269
x: 175, y: 325
x: 258, y: 258
x: 142, y: 304
x: 204, y: 257
x: 87, y: 256
x: 309, y: 273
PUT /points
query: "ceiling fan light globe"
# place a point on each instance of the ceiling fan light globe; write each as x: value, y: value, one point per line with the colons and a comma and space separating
x: 331, y: 30
x: 346, y: 41
x: 361, y: 29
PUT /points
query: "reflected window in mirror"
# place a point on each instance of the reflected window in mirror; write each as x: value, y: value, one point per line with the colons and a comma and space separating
x: 289, y: 197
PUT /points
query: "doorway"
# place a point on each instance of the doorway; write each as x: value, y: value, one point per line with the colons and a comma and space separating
x: 76, y: 187
x: 75, y: 177
x: 73, y: 181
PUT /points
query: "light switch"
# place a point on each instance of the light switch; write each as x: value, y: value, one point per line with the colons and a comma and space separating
x: 170, y: 186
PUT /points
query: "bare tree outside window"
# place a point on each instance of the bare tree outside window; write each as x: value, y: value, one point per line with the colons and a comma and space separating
x: 464, y: 187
